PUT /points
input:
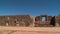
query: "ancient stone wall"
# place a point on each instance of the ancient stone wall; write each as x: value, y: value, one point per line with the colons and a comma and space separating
x: 39, y: 22
x: 30, y: 21
x: 57, y: 20
x: 20, y: 20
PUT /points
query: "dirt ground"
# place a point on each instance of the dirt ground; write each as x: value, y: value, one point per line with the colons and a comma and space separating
x: 29, y: 30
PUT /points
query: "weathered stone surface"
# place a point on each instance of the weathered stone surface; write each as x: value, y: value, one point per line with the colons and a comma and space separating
x: 57, y: 20
x: 21, y: 20
x: 48, y: 21
x: 30, y: 21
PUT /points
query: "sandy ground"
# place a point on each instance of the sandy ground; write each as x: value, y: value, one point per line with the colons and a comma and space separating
x: 29, y: 30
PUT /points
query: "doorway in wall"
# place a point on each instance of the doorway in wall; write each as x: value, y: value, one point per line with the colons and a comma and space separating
x: 43, y: 19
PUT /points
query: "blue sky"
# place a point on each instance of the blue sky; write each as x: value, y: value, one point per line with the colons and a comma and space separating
x: 31, y: 7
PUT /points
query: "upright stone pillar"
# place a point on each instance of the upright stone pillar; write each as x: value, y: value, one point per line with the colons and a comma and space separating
x: 33, y: 22
x: 57, y: 24
x: 6, y: 24
x: 40, y: 21
x: 17, y: 23
x: 46, y: 19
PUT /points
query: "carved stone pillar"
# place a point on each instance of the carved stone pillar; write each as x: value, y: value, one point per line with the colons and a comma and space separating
x: 33, y: 23
x: 7, y: 24
x: 17, y: 23
x: 46, y: 19
x: 57, y: 24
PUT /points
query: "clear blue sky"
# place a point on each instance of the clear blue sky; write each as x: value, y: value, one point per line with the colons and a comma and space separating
x: 31, y: 7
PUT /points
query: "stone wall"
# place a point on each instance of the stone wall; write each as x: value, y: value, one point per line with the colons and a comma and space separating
x: 57, y: 20
x: 19, y: 20
x: 39, y: 22
x: 30, y: 21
